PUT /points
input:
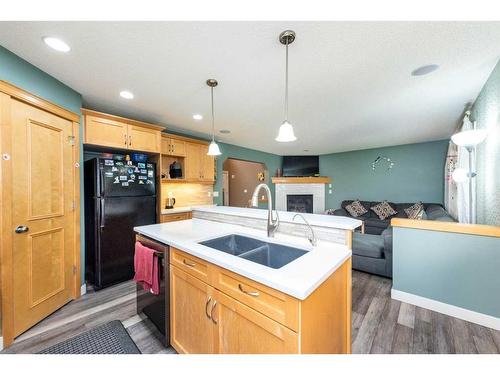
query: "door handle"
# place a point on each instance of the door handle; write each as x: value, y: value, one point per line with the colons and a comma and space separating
x: 206, y: 307
x: 22, y: 229
x: 102, y: 212
x: 212, y: 312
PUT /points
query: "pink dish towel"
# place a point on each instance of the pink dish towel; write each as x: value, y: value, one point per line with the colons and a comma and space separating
x: 146, y: 268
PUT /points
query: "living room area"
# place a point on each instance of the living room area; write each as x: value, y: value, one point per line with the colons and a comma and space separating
x: 425, y: 259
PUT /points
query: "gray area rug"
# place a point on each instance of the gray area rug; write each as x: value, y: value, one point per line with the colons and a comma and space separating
x: 110, y: 338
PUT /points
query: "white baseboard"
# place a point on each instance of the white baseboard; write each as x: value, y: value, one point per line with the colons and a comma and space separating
x: 444, y: 308
x: 1, y: 343
x: 83, y: 289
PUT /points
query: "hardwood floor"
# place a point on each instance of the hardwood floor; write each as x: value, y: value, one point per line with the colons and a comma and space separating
x: 380, y: 324
x: 383, y: 325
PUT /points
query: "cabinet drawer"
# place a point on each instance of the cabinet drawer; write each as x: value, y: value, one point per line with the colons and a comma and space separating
x: 190, y: 264
x: 175, y: 217
x: 272, y: 303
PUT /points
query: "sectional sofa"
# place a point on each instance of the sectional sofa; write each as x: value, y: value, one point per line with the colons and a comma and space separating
x: 372, y: 249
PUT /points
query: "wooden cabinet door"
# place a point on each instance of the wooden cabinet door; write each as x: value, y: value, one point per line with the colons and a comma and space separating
x: 105, y: 132
x: 192, y: 162
x: 143, y: 139
x: 192, y: 329
x: 178, y: 147
x: 242, y: 330
x: 165, y: 146
x: 43, y: 176
x: 207, y: 164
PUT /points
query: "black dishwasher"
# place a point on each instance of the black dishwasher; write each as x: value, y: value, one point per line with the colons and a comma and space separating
x: 157, y: 307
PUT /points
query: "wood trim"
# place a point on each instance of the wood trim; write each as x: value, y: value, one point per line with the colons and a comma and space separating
x: 6, y: 271
x: 38, y: 102
x: 348, y: 239
x: 186, y: 181
x: 76, y: 214
x: 445, y: 226
x: 182, y: 138
x: 122, y: 119
x: 301, y: 180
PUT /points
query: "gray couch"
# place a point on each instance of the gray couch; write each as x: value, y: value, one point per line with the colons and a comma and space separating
x: 372, y: 250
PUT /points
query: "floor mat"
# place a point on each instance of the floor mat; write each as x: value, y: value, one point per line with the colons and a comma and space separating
x: 109, y: 338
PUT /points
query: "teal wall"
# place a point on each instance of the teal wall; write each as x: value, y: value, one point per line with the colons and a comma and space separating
x: 456, y: 269
x: 272, y: 162
x: 19, y: 72
x: 486, y: 113
x: 417, y: 174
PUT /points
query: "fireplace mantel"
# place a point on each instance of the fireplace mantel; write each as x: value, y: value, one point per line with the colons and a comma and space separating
x: 301, y: 180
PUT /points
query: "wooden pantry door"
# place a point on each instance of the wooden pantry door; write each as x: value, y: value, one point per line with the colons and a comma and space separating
x: 43, y: 221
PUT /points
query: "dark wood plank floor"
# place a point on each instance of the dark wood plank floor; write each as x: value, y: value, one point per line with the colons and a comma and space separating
x: 383, y: 325
x: 380, y: 324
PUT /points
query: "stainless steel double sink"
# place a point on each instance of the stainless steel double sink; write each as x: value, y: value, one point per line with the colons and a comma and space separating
x: 266, y: 253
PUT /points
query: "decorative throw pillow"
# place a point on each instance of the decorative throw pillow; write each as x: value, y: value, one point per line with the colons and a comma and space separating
x: 383, y: 210
x: 415, y: 211
x: 356, y: 209
x: 330, y: 211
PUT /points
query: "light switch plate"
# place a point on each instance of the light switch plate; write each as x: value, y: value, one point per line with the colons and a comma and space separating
x: 330, y: 191
x: 216, y: 194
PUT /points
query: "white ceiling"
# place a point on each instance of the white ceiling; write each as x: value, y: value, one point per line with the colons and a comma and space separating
x: 350, y: 82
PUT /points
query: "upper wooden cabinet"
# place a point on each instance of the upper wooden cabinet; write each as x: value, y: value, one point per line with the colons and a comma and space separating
x: 102, y: 129
x: 199, y: 166
x: 173, y: 146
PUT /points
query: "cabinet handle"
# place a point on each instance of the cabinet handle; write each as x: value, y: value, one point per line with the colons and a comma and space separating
x: 212, y: 312
x: 253, y: 294
x: 125, y: 136
x: 188, y: 264
x: 206, y: 307
x: 130, y: 140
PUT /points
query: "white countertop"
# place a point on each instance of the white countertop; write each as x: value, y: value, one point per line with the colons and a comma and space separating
x: 329, y: 221
x: 180, y: 209
x: 298, y: 278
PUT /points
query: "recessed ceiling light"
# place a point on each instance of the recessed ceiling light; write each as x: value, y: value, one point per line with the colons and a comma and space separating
x: 56, y: 44
x: 198, y: 117
x: 423, y: 70
x: 224, y: 131
x: 126, y: 95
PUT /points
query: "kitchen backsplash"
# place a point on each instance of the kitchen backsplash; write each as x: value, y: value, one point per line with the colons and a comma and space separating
x: 187, y: 194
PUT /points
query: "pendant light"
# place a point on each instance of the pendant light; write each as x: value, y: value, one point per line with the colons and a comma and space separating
x: 213, y: 148
x: 285, y: 133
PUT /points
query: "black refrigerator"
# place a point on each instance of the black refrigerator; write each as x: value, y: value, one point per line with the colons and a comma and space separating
x: 119, y: 195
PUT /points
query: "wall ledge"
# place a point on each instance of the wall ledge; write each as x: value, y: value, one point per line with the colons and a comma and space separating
x: 447, y: 309
x: 445, y: 226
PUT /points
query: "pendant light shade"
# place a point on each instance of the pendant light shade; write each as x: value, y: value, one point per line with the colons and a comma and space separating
x: 213, y: 148
x: 285, y: 133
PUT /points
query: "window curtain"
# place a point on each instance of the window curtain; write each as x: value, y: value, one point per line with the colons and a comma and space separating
x: 456, y: 199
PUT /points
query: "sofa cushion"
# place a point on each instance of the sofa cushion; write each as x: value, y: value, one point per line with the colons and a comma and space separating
x: 415, y: 211
x: 368, y: 245
x: 384, y: 210
x: 438, y: 213
x: 356, y: 209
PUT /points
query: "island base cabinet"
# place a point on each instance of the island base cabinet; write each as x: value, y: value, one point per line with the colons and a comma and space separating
x: 206, y: 319
x: 242, y: 330
x: 192, y: 331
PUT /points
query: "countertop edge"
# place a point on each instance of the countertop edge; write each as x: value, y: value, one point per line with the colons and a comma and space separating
x: 282, y: 288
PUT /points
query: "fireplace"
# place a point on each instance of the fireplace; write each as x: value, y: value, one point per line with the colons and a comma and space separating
x: 299, y: 203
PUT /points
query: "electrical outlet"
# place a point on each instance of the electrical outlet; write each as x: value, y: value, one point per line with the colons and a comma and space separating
x: 330, y: 186
x: 209, y: 193
x: 330, y: 191
x: 216, y: 194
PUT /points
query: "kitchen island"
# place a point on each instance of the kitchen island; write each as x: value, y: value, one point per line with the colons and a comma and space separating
x: 224, y: 303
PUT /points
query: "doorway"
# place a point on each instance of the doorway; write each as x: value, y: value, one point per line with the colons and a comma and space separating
x: 241, y: 177
x: 40, y: 217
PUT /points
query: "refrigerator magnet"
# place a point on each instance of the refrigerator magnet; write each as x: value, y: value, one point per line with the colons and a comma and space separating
x: 123, y: 178
x: 124, y: 183
x: 109, y: 162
